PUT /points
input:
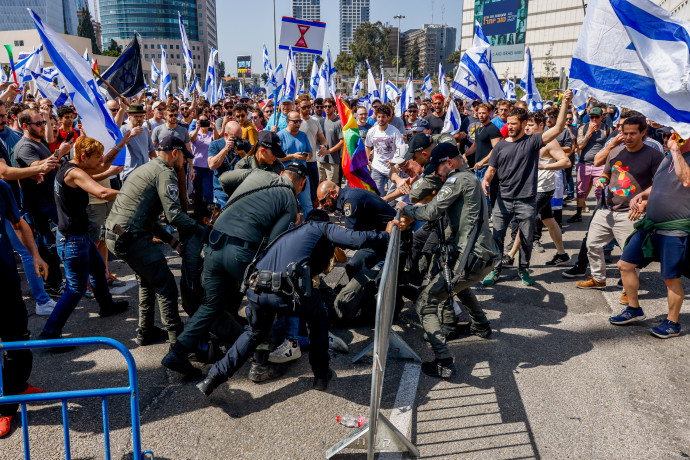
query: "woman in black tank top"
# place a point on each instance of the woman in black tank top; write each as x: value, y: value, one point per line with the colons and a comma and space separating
x: 78, y: 253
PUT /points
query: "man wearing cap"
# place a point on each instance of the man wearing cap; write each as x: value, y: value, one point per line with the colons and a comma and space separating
x: 470, y: 246
x: 262, y: 205
x: 133, y: 221
x: 140, y: 148
x: 591, y: 138
x: 158, y: 116
x: 265, y: 154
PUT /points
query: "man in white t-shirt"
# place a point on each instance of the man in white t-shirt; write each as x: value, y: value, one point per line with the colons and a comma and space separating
x: 381, y: 143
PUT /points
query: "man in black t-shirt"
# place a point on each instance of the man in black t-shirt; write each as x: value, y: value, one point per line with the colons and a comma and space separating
x: 437, y: 118
x: 486, y: 136
x: 515, y: 161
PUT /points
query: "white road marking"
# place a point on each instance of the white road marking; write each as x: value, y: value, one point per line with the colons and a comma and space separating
x: 403, y: 408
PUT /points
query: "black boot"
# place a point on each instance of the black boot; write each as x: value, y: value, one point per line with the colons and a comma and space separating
x: 210, y: 383
x: 177, y: 360
x: 439, y: 368
x: 321, y: 383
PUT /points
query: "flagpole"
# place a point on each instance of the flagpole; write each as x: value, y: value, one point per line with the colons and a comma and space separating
x: 106, y: 83
x: 275, y: 49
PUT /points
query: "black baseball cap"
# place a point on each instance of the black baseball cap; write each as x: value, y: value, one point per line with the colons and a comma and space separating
x: 442, y: 152
x: 170, y: 143
x: 270, y: 140
x: 420, y: 125
x: 417, y: 143
x: 298, y: 168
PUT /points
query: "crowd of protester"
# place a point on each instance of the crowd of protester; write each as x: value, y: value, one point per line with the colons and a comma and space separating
x: 222, y: 178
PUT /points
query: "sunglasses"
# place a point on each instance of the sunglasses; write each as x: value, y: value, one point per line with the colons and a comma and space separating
x: 325, y: 106
x: 322, y: 201
x: 36, y: 123
x: 594, y: 117
x: 295, y: 121
x: 305, y: 106
x: 254, y: 117
x: 550, y: 118
x: 412, y: 111
x: 240, y: 116
x: 160, y: 108
x: 319, y: 106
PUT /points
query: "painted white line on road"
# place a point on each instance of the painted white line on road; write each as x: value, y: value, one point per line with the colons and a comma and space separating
x: 403, y: 408
x: 130, y: 282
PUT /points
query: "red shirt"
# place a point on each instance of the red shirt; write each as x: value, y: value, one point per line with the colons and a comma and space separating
x: 61, y: 137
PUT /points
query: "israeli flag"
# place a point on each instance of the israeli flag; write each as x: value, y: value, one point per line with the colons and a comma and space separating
x: 78, y: 76
x: 356, y: 88
x: 442, y: 86
x: 465, y: 84
x: 451, y: 124
x: 331, y: 71
x: 406, y: 98
x: 279, y: 77
x: 301, y: 87
x: 382, y: 88
x: 186, y: 51
x: 164, y: 85
x: 221, y: 91
x: 28, y: 65
x: 3, y: 75
x: 579, y: 100
x: 509, y: 90
x: 635, y: 54
x: 476, y: 77
x: 291, y: 77
x: 155, y: 73
x: 529, y: 84
x: 271, y: 84
x: 323, y: 91
x: 241, y: 91
x: 427, y: 89
x: 47, y: 90
x: 371, y: 84
x: 210, y: 86
x: 86, y: 55
x: 51, y: 73
x: 197, y: 86
x: 314, y: 79
x: 392, y: 91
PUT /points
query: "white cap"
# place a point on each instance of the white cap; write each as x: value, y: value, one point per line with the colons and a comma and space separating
x: 400, y: 153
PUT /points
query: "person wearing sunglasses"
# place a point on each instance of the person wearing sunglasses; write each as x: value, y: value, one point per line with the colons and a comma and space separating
x: 158, y: 116
x: 258, y: 120
x: 329, y: 165
x: 297, y: 147
x: 248, y: 130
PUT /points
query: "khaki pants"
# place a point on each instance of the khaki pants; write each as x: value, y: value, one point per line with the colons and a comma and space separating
x: 606, y: 225
x: 329, y: 171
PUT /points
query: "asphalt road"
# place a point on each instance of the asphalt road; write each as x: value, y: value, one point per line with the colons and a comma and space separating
x: 555, y: 380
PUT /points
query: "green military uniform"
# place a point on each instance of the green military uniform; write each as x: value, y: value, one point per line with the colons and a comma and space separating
x: 462, y: 200
x: 249, y: 162
x: 261, y: 204
x: 149, y: 190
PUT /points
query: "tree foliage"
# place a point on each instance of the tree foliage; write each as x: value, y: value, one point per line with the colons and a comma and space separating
x: 113, y: 49
x: 345, y: 63
x: 220, y: 69
x: 370, y: 42
x: 455, y: 56
x: 85, y: 29
x: 549, y: 65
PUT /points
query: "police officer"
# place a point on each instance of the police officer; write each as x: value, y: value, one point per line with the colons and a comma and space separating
x: 282, y: 280
x: 262, y: 156
x: 363, y: 211
x: 470, y: 246
x: 131, y: 226
x: 261, y: 205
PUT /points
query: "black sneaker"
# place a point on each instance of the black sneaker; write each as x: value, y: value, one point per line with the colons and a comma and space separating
x: 263, y: 372
x: 558, y: 259
x: 116, y: 307
x: 507, y: 260
x: 176, y: 360
x: 210, y: 383
x: 569, y: 198
x: 441, y: 369
x: 575, y: 218
x: 575, y: 272
x: 321, y: 384
x: 471, y: 329
x: 54, y: 291
x: 607, y: 257
x: 150, y: 336
x: 47, y: 336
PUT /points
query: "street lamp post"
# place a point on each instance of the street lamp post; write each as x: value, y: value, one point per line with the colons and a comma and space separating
x: 397, y: 51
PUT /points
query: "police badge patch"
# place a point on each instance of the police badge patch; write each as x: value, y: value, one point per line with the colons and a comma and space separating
x: 444, y: 193
x: 173, y: 192
x: 347, y: 210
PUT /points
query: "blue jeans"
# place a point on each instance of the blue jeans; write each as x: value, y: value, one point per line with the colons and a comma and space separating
x: 35, y: 282
x: 80, y: 258
x: 480, y: 173
x: 203, y: 185
x: 381, y: 180
x: 290, y: 327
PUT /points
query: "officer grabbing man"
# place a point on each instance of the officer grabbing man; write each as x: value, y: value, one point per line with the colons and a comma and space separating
x: 281, y: 281
x: 262, y: 205
x: 470, y: 247
x: 150, y: 189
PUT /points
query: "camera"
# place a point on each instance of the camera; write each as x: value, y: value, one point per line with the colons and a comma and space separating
x: 204, y: 123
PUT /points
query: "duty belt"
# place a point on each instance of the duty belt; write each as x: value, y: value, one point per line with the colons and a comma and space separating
x: 217, y: 238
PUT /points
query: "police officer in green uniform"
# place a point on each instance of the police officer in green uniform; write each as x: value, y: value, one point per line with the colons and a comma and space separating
x: 262, y: 156
x: 261, y: 205
x: 133, y: 222
x: 470, y: 245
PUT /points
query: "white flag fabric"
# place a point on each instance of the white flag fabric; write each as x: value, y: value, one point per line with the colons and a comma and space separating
x: 186, y: 52
x: 197, y: 86
x: 271, y: 85
x: 78, y: 78
x: 47, y: 90
x: 371, y: 85
x: 210, y: 86
x: 427, y: 89
x: 392, y: 91
x: 529, y: 84
x: 451, y: 124
x: 442, y: 86
x: 29, y: 64
x: 406, y: 98
x: 241, y: 91
x: 635, y: 54
x: 3, y: 75
x: 323, y: 91
x: 314, y: 79
x: 155, y: 73
x: 280, y: 77
x: 579, y: 100
x: 476, y: 77
x: 355, y: 88
x: 509, y: 90
x: 302, y: 36
x: 382, y: 87
x: 331, y: 72
x: 221, y: 91
x: 165, y: 82
x: 290, y: 77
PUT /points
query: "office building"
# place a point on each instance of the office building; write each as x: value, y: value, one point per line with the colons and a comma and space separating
x: 309, y: 10
x: 352, y: 14
x: 680, y: 8
x: 59, y: 15
x: 436, y: 42
x: 95, y: 23
x: 157, y: 25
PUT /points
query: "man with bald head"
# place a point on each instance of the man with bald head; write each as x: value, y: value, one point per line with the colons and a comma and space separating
x: 223, y: 154
x: 296, y: 145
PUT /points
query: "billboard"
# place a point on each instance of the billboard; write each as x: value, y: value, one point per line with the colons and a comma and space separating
x: 244, y: 66
x: 505, y: 25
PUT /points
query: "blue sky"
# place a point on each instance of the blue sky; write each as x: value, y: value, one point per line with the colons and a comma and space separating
x: 246, y: 32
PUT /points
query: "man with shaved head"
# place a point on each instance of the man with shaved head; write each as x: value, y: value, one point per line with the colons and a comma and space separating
x: 223, y: 154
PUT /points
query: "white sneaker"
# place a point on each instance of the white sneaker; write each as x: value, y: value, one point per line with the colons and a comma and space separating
x: 289, y: 350
x: 335, y: 343
x: 45, y: 309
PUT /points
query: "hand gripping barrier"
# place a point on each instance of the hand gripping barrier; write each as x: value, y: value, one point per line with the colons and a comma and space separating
x: 132, y: 391
x: 379, y: 434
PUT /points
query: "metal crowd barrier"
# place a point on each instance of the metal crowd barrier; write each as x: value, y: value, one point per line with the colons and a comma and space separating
x: 132, y: 391
x: 379, y: 434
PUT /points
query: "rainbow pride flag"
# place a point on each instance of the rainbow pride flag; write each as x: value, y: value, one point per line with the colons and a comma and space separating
x: 355, y: 162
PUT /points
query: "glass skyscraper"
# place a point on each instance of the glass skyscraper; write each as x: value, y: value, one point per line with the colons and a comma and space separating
x: 59, y: 15
x: 352, y: 14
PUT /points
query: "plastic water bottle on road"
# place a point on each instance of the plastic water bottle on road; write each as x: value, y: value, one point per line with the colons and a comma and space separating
x: 351, y: 421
